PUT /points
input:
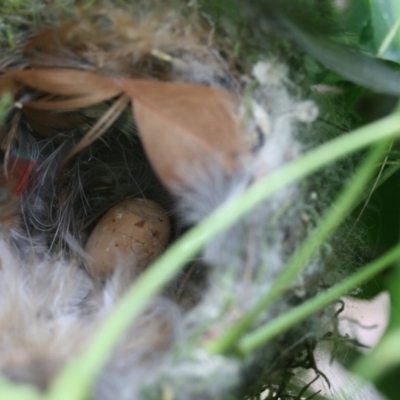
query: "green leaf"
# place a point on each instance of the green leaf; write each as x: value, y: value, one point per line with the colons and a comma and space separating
x: 348, y: 62
x: 385, y: 17
x: 388, y: 385
x: 304, y: 28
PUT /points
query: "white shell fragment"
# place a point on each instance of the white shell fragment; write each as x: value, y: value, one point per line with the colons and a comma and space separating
x: 130, y: 235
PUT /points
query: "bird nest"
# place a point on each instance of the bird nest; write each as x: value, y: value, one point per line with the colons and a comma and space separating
x: 131, y: 137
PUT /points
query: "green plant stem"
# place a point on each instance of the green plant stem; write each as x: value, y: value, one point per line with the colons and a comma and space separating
x: 390, y: 37
x: 5, y: 104
x: 396, y: 38
x: 299, y: 260
x: 367, y: 198
x: 292, y: 317
x: 388, y: 173
x: 75, y: 379
x: 11, y: 391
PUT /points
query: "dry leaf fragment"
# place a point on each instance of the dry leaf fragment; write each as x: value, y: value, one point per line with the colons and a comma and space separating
x: 68, y: 82
x: 85, y: 88
x: 181, y: 125
x: 75, y: 103
x: 184, y: 125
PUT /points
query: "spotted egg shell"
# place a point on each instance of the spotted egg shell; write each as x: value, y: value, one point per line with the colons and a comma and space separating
x: 130, y: 235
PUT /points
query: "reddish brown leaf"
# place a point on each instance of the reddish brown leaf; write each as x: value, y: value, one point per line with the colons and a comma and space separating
x: 68, y: 82
x: 185, y: 126
x: 75, y: 103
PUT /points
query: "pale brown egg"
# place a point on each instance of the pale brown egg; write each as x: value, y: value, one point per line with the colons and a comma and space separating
x: 130, y: 235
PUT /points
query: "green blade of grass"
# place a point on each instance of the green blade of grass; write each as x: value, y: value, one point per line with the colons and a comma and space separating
x: 385, y: 19
x: 391, y: 35
x: 5, y: 103
x: 11, y: 391
x: 310, y: 307
x: 388, y: 173
x: 76, y: 378
x: 333, y: 218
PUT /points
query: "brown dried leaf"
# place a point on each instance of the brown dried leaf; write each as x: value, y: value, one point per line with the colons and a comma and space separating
x: 75, y: 103
x: 68, y: 82
x: 185, y: 126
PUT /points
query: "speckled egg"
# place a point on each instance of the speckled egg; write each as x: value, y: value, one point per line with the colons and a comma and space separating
x: 130, y: 235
